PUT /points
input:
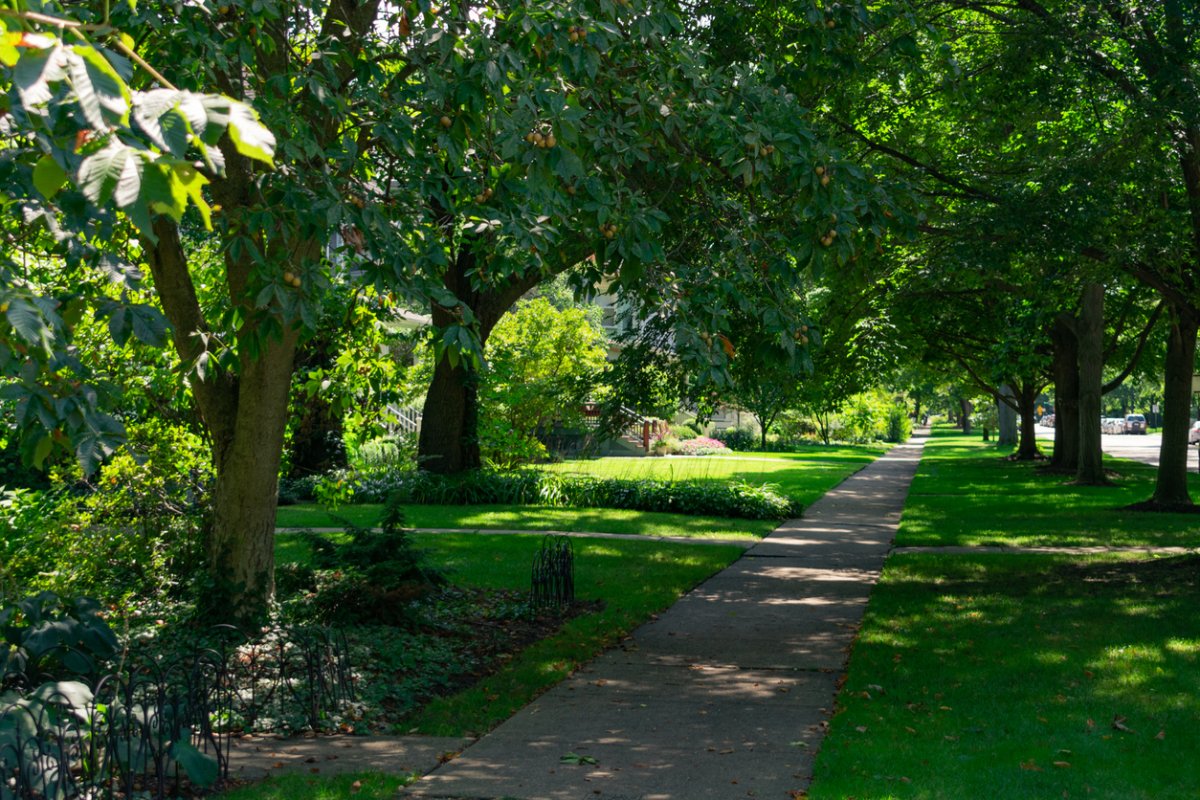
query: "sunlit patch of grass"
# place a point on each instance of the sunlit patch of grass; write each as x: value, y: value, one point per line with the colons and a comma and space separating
x: 803, y: 476
x: 535, y: 518
x: 1051, y: 690
x: 966, y: 493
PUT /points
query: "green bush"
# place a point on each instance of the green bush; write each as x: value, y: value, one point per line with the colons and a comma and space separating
x: 744, y: 439
x: 370, y: 577
x: 686, y: 431
x: 49, y: 638
x: 534, y: 487
x: 899, y: 426
x: 132, y: 535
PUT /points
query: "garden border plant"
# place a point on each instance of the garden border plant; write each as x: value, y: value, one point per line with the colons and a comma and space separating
x: 737, y: 499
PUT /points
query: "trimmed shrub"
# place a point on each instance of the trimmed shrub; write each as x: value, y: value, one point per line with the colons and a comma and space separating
x: 534, y: 487
x: 738, y: 438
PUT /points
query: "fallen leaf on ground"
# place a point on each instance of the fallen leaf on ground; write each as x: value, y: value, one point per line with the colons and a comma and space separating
x: 1030, y: 766
x: 1062, y: 764
x: 355, y: 787
x: 1160, y: 735
x: 1118, y: 724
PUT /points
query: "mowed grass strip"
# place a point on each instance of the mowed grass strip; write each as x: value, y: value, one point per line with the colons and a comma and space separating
x: 360, y: 786
x: 1020, y: 677
x: 533, y: 518
x: 804, y: 475
x: 634, y: 579
x: 966, y: 493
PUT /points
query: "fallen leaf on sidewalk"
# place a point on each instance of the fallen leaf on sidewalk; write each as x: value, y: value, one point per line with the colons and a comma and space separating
x: 575, y: 758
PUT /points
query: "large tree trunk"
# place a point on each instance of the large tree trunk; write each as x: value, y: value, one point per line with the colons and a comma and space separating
x: 1027, y: 409
x: 241, y: 546
x: 1091, y: 377
x: 1171, y: 487
x: 967, y: 408
x: 245, y: 413
x: 449, y: 441
x: 1066, y: 394
x: 1006, y: 417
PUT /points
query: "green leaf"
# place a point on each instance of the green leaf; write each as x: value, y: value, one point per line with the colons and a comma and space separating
x: 100, y: 172
x: 149, y: 325
x: 201, y: 768
x: 41, y: 450
x: 119, y: 324
x: 193, y: 184
x: 129, y: 184
x: 250, y: 137
x: 163, y: 192
x: 48, y: 177
x: 33, y: 74
x: 101, y: 435
x: 102, y: 94
x: 29, y: 322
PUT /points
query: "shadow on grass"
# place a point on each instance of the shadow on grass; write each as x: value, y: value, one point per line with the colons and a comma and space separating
x: 1030, y: 676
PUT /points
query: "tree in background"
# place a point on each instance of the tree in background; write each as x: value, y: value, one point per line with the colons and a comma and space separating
x: 543, y: 365
x: 765, y: 378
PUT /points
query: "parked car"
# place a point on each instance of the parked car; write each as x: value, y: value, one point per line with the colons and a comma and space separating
x: 1112, y: 425
x: 1135, y: 423
x: 1194, y: 433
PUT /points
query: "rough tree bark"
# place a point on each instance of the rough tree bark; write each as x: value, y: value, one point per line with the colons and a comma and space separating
x: 1007, y: 417
x: 449, y: 441
x: 1026, y: 399
x: 967, y: 407
x: 1090, y: 333
x: 245, y: 414
x: 1066, y: 394
x: 1171, y: 490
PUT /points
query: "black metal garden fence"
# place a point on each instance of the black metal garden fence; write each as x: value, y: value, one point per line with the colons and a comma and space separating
x: 163, y: 729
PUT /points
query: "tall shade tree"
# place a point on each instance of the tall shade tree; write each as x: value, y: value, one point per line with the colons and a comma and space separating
x: 456, y: 155
x: 596, y: 136
x: 1117, y: 137
x: 82, y: 144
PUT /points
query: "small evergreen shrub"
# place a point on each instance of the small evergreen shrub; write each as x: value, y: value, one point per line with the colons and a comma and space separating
x: 371, y: 577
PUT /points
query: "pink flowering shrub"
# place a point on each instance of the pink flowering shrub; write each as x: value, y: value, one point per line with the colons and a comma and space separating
x: 701, y: 446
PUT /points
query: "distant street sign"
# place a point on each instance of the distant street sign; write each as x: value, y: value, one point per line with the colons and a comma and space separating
x: 1195, y: 384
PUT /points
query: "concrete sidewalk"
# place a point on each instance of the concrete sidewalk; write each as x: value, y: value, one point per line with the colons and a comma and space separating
x: 727, y: 694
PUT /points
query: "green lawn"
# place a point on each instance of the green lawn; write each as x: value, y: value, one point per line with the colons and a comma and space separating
x: 535, y: 518
x: 633, y: 579
x: 965, y: 493
x: 803, y: 476
x: 1021, y: 677
x: 361, y: 786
